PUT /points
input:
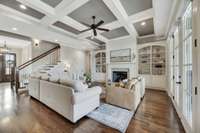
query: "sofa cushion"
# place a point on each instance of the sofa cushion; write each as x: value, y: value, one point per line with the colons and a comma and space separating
x: 54, y: 79
x: 77, y: 85
x: 66, y: 82
x: 35, y: 75
x: 80, y: 97
x: 44, y: 77
x: 131, y: 83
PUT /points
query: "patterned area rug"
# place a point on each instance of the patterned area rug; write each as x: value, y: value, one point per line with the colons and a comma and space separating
x: 112, y: 116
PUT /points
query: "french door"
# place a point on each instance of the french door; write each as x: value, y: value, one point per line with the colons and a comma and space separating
x: 7, y: 63
x: 187, y: 63
x: 196, y: 66
x: 177, y: 68
x: 182, y: 91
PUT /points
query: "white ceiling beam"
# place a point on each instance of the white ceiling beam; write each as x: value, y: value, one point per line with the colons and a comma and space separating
x: 118, y: 10
x: 64, y: 8
x: 92, y: 42
x: 9, y: 12
x: 70, y: 6
x: 147, y: 14
x: 102, y: 38
x: 35, y: 30
x: 73, y: 23
x: 63, y: 31
x: 162, y: 10
x: 39, y: 6
x: 61, y: 11
x: 89, y: 33
x: 112, y: 25
x: 120, y: 38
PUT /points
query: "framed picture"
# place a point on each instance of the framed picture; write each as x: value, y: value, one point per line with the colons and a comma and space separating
x: 122, y: 55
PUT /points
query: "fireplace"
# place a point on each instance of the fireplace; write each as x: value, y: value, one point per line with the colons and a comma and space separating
x: 119, y: 74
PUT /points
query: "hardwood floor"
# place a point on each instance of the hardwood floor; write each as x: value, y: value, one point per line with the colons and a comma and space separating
x: 20, y: 114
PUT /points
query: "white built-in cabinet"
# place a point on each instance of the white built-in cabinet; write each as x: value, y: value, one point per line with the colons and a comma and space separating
x: 100, y: 60
x: 98, y: 65
x: 151, y: 64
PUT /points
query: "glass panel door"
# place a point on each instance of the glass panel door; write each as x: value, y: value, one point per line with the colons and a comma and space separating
x: 9, y: 62
x: 177, y: 77
x: 171, y: 64
x: 187, y: 64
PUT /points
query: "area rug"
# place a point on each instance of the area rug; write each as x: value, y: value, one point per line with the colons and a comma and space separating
x: 112, y: 116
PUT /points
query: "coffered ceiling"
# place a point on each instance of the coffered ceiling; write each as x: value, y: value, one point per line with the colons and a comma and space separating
x: 124, y: 18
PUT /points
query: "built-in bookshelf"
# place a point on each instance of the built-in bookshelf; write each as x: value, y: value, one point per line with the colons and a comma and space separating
x: 144, y: 60
x: 152, y: 60
x: 158, y: 60
x: 100, y: 59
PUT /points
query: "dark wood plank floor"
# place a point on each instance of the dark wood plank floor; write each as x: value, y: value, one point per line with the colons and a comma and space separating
x: 20, y: 114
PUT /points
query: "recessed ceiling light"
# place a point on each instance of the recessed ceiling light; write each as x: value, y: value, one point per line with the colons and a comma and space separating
x: 15, y: 29
x: 23, y: 7
x: 143, y: 24
x: 56, y: 40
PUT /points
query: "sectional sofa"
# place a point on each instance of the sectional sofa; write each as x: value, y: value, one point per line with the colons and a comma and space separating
x: 65, y: 97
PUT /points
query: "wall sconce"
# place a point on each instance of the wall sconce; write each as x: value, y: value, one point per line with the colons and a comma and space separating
x: 67, y: 67
x: 36, y: 42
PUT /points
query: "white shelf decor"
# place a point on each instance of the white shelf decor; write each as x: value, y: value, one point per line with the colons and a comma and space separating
x: 152, y: 60
x: 100, y: 59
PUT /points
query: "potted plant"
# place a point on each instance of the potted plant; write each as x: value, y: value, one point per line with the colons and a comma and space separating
x: 87, y: 77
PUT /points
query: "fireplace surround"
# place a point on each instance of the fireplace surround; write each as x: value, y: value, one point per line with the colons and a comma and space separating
x: 119, y: 74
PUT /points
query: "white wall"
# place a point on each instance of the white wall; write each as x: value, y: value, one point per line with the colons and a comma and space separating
x: 40, y: 49
x: 123, y: 44
x: 77, y: 59
x: 26, y: 54
x: 18, y: 52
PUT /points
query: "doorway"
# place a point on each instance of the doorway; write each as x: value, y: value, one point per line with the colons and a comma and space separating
x: 7, y: 64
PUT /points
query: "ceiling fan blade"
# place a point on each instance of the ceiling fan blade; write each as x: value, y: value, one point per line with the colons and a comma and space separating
x: 100, y: 23
x: 95, y: 32
x: 85, y: 30
x: 103, y: 29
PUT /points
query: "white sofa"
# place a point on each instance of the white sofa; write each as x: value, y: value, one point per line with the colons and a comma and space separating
x: 64, y: 100
x: 142, y: 86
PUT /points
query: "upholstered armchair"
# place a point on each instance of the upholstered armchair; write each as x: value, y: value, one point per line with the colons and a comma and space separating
x: 128, y: 98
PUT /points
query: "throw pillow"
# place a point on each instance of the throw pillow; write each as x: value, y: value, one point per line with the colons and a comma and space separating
x: 79, y: 86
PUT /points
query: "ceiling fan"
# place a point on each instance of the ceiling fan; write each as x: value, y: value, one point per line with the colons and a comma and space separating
x: 95, y: 27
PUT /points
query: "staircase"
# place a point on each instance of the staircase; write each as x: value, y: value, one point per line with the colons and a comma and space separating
x: 42, y: 64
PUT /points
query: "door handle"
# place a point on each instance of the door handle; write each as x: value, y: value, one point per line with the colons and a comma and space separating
x: 178, y: 82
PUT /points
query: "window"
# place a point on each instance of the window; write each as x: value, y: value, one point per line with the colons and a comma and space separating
x: 187, y: 63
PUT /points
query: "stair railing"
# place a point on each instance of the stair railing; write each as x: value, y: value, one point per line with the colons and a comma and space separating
x: 16, y: 73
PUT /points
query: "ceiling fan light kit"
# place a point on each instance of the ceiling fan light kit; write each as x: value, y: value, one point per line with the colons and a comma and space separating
x: 94, y: 27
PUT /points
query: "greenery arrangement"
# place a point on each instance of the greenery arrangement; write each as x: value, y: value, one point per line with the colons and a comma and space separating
x: 87, y: 77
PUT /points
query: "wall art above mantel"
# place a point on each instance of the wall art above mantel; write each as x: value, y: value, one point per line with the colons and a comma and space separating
x: 122, y: 55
